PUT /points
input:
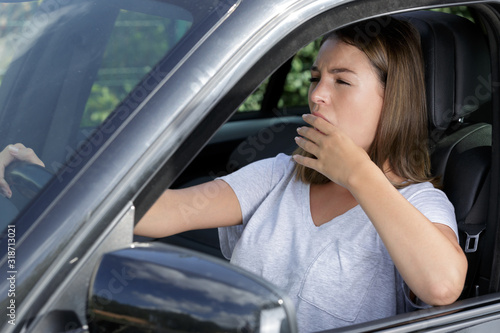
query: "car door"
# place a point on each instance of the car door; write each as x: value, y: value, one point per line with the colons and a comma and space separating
x: 461, y: 316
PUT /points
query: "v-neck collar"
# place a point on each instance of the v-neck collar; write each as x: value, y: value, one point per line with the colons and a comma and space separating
x: 306, y: 189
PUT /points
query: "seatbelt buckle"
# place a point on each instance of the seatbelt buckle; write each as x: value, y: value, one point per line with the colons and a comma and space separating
x: 472, y: 241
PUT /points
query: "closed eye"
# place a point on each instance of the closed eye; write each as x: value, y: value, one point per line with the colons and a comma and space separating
x: 314, y: 79
x: 343, y: 82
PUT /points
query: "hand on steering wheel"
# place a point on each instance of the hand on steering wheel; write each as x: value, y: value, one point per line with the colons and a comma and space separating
x: 10, y: 154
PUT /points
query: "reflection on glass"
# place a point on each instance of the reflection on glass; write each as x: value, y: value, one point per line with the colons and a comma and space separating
x: 144, y: 288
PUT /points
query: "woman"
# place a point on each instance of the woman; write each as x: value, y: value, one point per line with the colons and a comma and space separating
x: 350, y: 226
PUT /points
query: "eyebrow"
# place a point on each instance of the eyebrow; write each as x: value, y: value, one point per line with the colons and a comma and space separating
x: 334, y: 70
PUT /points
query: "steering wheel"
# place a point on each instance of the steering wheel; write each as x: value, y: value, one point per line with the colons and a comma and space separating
x: 26, y: 180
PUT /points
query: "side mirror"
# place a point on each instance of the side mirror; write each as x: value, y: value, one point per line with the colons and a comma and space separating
x: 161, y: 288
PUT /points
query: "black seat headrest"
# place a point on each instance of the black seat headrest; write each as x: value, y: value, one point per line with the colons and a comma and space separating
x: 457, y: 65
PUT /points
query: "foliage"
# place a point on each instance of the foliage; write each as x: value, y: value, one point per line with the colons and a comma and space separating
x: 254, y: 101
x: 459, y: 10
x: 297, y: 81
x: 296, y: 84
x: 122, y: 69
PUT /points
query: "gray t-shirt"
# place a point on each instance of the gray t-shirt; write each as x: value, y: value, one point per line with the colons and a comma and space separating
x: 337, y: 274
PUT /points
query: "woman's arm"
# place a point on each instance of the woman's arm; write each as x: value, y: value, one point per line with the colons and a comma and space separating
x: 426, y: 254
x: 208, y: 205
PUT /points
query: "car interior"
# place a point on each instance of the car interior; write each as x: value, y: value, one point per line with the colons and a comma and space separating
x: 458, y: 78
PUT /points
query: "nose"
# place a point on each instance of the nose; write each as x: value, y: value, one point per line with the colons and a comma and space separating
x: 318, y: 93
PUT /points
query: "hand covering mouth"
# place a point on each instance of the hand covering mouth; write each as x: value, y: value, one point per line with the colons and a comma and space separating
x: 319, y: 115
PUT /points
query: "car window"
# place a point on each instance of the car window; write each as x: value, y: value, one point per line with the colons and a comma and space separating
x: 14, y: 16
x: 65, y: 67
x: 297, y: 81
x: 124, y: 66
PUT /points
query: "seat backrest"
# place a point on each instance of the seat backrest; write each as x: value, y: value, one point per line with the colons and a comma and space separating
x: 457, y: 66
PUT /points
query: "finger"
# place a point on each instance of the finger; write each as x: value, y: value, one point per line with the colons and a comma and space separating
x: 20, y: 152
x: 5, y: 188
x: 310, y: 133
x: 306, y: 161
x: 5, y: 159
x: 307, y: 145
x: 318, y: 123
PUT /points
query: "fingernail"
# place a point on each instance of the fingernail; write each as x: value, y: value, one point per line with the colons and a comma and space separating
x: 13, y: 150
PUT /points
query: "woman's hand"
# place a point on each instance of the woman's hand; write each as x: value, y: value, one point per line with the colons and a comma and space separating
x: 10, y: 154
x: 337, y: 156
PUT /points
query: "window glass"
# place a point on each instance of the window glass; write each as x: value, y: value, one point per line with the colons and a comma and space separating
x: 137, y: 42
x: 296, y: 84
x: 254, y: 101
x: 297, y: 81
x: 12, y: 27
x: 67, y: 66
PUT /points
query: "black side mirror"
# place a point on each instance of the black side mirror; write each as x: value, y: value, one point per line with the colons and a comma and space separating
x: 161, y: 288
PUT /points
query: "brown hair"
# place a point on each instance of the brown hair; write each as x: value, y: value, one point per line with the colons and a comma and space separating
x: 393, y: 49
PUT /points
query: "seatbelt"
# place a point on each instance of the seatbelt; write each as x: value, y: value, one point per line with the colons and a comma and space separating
x: 473, y: 225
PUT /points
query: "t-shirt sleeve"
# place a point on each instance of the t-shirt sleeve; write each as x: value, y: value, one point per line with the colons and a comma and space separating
x: 251, y: 184
x: 434, y: 204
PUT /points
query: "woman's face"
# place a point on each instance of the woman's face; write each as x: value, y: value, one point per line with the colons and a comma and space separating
x: 345, y: 91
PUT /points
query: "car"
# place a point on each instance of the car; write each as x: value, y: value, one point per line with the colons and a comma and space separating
x: 122, y: 99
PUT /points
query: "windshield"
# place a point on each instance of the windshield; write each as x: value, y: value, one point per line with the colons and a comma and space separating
x: 68, y: 66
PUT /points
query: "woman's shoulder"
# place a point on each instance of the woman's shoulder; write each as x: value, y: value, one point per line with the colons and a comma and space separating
x: 286, y: 161
x: 280, y: 164
x: 424, y: 191
x: 418, y: 187
x: 269, y: 171
x: 433, y: 203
